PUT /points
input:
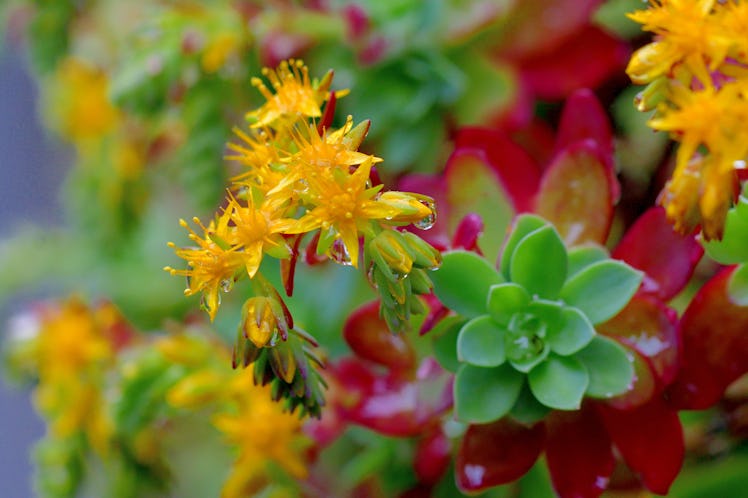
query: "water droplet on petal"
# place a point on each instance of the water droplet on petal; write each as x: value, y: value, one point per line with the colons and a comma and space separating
x: 227, y: 284
x: 339, y: 253
x: 428, y: 221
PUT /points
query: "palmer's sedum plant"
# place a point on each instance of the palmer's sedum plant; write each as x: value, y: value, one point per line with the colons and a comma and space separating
x: 524, y: 340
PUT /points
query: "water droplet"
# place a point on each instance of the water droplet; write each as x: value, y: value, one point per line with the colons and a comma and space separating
x: 339, y: 253
x: 428, y: 221
x: 227, y: 284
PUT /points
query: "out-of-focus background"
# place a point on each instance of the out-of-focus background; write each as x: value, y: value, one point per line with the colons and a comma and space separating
x: 31, y: 170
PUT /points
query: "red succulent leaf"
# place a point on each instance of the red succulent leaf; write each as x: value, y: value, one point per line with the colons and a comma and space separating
x: 513, y: 167
x: 585, y: 60
x: 433, y: 454
x: 666, y: 257
x: 310, y: 254
x: 584, y: 118
x: 497, y: 453
x: 536, y: 137
x: 715, y: 345
x: 575, y: 194
x: 649, y: 327
x: 390, y: 404
x: 437, y: 311
x: 419, y: 491
x: 539, y: 26
x: 467, y: 233
x: 579, y: 453
x: 369, y: 337
x: 278, y: 45
x: 650, y: 440
x: 643, y: 388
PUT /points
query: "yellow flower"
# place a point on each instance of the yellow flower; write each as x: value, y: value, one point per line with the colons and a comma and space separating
x: 262, y: 432
x: 319, y: 156
x: 686, y: 33
x: 296, y: 95
x: 257, y: 229
x: 259, y: 323
x: 72, y: 351
x: 261, y: 157
x: 80, y: 108
x: 344, y: 204
x: 219, y: 50
x: 212, y: 265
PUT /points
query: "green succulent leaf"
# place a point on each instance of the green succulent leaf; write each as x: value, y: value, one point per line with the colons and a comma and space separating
x: 539, y: 263
x: 523, y: 225
x: 576, y: 332
x: 602, y: 289
x: 527, y: 364
x: 733, y: 248
x: 559, y: 382
x: 737, y: 286
x: 483, y: 395
x: 528, y: 409
x: 610, y: 369
x: 481, y: 343
x: 445, y: 342
x: 463, y: 281
x: 504, y: 300
x: 581, y: 257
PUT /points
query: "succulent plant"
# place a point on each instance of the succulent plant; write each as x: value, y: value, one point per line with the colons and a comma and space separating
x: 525, y: 339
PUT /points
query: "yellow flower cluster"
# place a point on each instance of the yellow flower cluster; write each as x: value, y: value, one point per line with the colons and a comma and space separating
x: 697, y: 72
x: 71, y: 346
x: 301, y: 176
x: 256, y: 427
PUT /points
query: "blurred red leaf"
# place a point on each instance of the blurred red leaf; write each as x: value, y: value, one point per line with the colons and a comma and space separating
x: 433, y: 454
x: 579, y: 453
x: 497, y: 453
x: 650, y: 327
x: 715, y: 346
x: 666, y: 257
x: 583, y: 61
x: 650, y: 440
x: 575, y: 194
x: 368, y: 336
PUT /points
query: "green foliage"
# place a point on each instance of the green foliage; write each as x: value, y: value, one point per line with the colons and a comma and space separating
x: 50, y: 30
x: 537, y: 326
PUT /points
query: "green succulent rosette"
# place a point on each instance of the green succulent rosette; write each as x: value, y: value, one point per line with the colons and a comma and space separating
x: 524, y: 340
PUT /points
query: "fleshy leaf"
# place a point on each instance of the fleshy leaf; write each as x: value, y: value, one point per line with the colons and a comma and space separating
x: 433, y: 454
x: 528, y: 409
x: 585, y: 60
x: 445, y: 335
x: 580, y: 257
x: 650, y: 327
x: 522, y: 226
x: 715, y: 345
x: 368, y: 336
x: 643, y: 388
x: 504, y: 300
x: 524, y: 365
x: 559, y: 382
x: 608, y: 366
x: 497, y: 453
x: 582, y: 118
x: 579, y: 453
x: 602, y: 289
x: 650, y: 439
x: 483, y: 395
x: 462, y: 282
x: 666, y: 257
x: 576, y: 333
x: 575, y: 194
x: 733, y: 248
x: 473, y: 187
x: 481, y: 343
x: 539, y: 263
x: 737, y: 287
